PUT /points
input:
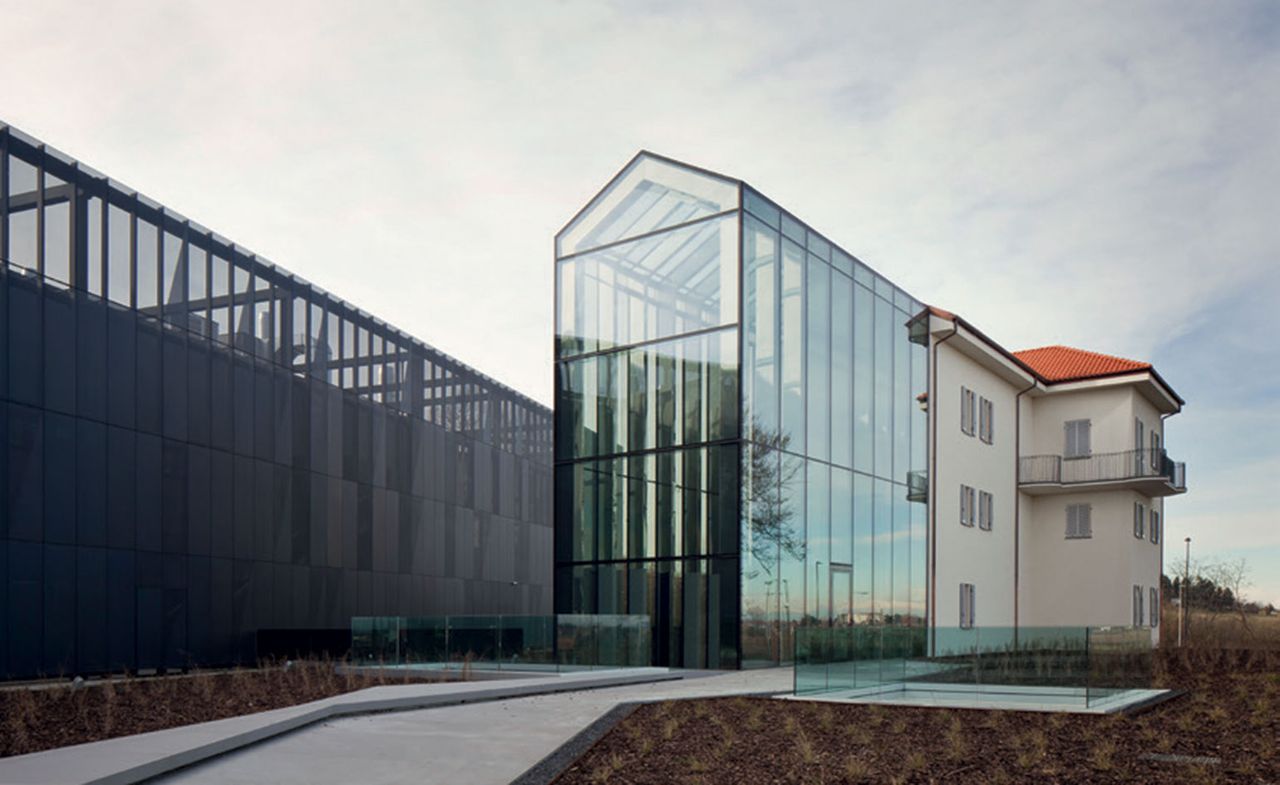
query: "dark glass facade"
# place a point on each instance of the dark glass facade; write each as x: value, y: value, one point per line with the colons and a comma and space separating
x: 735, y: 423
x: 199, y: 446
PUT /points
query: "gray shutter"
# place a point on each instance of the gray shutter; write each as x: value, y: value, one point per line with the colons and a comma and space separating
x: 1086, y: 520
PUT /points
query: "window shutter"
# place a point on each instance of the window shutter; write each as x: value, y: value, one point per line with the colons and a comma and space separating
x: 1155, y: 607
x: 1155, y: 526
x: 1086, y: 520
x: 1083, y: 439
x: 1073, y: 520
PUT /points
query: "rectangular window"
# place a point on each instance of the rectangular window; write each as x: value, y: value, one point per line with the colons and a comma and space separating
x: 1155, y: 526
x: 966, y: 606
x: 1139, y: 520
x: 985, y: 510
x: 986, y: 421
x: 1157, y: 455
x: 1079, y: 521
x: 967, y: 511
x: 1137, y: 606
x: 967, y: 411
x: 1139, y: 442
x: 1154, y: 614
x: 1077, y: 439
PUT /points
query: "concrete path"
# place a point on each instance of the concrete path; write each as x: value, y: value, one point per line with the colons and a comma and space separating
x: 130, y: 759
x: 479, y: 744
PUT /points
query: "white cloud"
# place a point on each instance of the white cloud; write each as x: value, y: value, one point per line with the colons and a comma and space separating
x: 1090, y: 174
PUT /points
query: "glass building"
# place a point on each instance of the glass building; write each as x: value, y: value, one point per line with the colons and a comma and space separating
x: 736, y: 423
x: 200, y: 447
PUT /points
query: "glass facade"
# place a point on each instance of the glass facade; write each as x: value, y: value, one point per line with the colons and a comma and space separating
x: 735, y: 423
x: 199, y: 446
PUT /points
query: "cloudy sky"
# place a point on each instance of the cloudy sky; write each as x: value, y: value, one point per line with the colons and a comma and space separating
x: 1098, y: 175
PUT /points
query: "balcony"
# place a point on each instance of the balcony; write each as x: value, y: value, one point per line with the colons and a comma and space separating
x: 1149, y: 472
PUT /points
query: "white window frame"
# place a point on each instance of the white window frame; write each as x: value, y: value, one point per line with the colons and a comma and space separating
x: 967, y: 512
x: 1079, y: 521
x: 1077, y: 439
x: 968, y: 411
x: 986, y: 511
x: 1155, y: 607
x: 1139, y: 520
x: 967, y: 606
x: 1155, y: 525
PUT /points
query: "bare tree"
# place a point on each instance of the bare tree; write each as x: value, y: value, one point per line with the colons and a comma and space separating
x: 1232, y: 575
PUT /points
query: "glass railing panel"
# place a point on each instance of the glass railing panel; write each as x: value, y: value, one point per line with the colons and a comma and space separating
x: 425, y: 640
x: 1120, y: 659
x: 472, y: 639
x: 812, y: 655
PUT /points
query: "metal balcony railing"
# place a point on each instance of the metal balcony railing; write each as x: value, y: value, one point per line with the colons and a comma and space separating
x: 1102, y: 467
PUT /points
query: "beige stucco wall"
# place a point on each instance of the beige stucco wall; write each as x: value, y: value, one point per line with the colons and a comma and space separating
x: 970, y: 554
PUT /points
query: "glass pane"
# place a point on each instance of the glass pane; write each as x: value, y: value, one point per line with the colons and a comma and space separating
x: 791, y: 347
x: 243, y: 313
x: 883, y: 408
x: 863, y: 545
x: 818, y: 367
x: 174, y: 284
x: 882, y: 551
x: 760, y: 337
x: 197, y: 285
x: 221, y: 299
x: 57, y: 241
x: 119, y: 259
x: 648, y: 195
x: 22, y: 213
x: 842, y: 370
x: 817, y: 542
x: 148, y: 287
x: 663, y: 285
x: 93, y: 245
x: 863, y: 377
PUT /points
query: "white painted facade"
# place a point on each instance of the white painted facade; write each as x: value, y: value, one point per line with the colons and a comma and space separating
x: 1030, y: 568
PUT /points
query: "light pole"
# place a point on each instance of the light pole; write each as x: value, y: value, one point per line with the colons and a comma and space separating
x: 1182, y: 593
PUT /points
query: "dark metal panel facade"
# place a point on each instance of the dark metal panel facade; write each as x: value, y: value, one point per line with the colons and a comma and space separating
x: 196, y: 445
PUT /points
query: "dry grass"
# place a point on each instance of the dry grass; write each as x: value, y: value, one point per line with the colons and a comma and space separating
x: 1231, y: 714
x: 48, y: 716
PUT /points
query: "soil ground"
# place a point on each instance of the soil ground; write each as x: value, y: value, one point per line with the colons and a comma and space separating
x: 1226, y: 729
x: 38, y: 719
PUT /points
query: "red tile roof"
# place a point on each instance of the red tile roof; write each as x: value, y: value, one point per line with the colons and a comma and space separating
x: 1063, y: 363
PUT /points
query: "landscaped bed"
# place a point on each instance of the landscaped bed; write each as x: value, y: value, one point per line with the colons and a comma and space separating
x: 58, y: 715
x: 1226, y: 729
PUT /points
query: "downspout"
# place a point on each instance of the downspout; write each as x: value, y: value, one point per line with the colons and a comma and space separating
x: 1017, y: 505
x: 933, y: 488
x: 1164, y: 527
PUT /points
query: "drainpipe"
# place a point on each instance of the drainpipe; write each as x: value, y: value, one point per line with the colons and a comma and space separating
x: 933, y: 487
x: 1017, y: 505
x: 1164, y: 527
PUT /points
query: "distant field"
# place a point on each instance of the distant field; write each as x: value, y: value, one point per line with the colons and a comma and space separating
x: 1222, y: 630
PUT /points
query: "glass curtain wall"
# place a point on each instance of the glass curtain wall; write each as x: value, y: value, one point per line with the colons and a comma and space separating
x: 831, y: 429
x: 199, y: 445
x: 647, y: 409
x: 710, y: 345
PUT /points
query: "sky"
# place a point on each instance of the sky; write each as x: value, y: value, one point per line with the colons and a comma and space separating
x: 1101, y: 175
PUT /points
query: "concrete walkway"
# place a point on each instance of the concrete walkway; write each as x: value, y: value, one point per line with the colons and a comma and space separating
x: 130, y: 759
x: 477, y: 744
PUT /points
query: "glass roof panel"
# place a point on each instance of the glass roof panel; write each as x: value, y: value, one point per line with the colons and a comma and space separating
x: 650, y: 194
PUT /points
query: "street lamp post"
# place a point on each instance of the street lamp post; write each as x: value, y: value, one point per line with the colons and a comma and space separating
x: 1182, y: 593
